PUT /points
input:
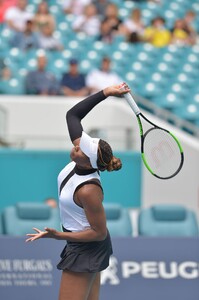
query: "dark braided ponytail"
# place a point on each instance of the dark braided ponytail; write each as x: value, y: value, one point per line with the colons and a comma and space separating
x: 106, y: 160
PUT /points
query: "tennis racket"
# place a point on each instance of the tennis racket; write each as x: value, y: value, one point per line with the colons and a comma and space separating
x: 161, y: 151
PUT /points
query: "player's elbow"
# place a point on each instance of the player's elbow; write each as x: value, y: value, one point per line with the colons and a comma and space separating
x: 101, y: 235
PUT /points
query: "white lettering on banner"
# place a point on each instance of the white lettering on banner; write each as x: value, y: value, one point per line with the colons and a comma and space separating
x: 170, y: 272
x: 26, y: 272
x: 186, y: 266
x: 32, y: 265
x: 109, y: 275
x: 130, y: 268
x: 5, y: 265
x: 149, y: 270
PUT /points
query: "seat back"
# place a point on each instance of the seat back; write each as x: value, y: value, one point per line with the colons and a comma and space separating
x: 1, y: 224
x: 118, y: 220
x: 21, y: 218
x: 167, y: 220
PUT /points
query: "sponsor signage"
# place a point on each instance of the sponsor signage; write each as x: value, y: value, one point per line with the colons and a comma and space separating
x: 153, y: 268
x: 140, y: 268
x: 28, y: 270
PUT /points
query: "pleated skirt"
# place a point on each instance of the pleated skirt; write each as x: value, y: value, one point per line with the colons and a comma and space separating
x: 89, y: 257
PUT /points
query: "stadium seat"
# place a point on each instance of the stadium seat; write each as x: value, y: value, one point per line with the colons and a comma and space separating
x: 14, y: 86
x: 85, y: 66
x: 188, y: 112
x: 15, y: 55
x: 1, y: 224
x: 167, y: 221
x: 118, y: 220
x: 168, y: 101
x: 21, y: 218
x: 151, y: 90
x: 134, y: 82
x: 190, y: 70
x: 93, y: 57
x: 58, y: 67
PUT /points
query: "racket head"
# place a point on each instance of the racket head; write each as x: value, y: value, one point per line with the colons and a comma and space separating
x: 162, y: 153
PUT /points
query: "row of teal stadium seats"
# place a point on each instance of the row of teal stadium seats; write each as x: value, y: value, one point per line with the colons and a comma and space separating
x: 19, y: 219
x: 158, y: 220
x: 167, y: 220
x: 168, y: 77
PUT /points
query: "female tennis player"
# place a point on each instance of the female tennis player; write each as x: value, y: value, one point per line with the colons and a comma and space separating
x: 88, y: 246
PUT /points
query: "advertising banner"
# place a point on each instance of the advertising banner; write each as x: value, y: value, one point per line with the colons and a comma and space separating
x: 140, y: 269
x: 152, y: 269
x: 28, y: 270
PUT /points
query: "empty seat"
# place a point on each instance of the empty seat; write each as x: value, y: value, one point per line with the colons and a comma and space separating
x: 167, y: 221
x: 118, y: 220
x: 21, y: 218
x: 1, y: 224
x: 188, y: 112
x: 168, y: 101
x: 14, y: 86
x: 151, y: 90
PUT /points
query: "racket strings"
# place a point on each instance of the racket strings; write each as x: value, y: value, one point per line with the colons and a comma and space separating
x: 162, y: 152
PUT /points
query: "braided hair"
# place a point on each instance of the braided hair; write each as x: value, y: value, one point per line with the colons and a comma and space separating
x: 106, y: 160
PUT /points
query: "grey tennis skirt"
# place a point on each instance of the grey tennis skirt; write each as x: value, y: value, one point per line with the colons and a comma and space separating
x: 86, y: 257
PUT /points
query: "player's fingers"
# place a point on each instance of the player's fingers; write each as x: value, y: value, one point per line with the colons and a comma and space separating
x: 29, y: 240
x: 124, y: 88
x: 36, y: 229
x: 30, y: 234
x: 125, y: 91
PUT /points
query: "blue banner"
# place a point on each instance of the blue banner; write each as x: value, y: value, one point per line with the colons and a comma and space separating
x: 140, y: 268
x: 153, y: 269
x: 28, y: 270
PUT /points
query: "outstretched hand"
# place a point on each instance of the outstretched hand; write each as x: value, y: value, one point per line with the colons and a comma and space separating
x: 116, y: 90
x: 48, y: 233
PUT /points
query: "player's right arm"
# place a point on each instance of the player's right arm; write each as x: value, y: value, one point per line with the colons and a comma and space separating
x: 81, y: 109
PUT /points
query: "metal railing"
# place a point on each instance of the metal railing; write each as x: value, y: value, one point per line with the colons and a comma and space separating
x: 168, y: 116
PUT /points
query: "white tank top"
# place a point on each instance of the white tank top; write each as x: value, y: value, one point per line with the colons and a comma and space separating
x: 72, y: 216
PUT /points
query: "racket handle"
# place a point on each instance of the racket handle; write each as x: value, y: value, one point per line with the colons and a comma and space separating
x: 129, y: 98
x: 132, y: 104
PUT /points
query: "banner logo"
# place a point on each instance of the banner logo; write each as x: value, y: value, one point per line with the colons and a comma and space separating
x: 187, y: 270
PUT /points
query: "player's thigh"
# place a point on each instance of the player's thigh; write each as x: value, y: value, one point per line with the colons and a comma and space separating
x: 95, y: 288
x: 75, y: 285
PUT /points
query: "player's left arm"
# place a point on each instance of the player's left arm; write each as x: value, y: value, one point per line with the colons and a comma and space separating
x: 90, y: 198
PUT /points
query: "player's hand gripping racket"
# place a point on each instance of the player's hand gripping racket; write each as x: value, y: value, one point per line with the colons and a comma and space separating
x: 161, y: 151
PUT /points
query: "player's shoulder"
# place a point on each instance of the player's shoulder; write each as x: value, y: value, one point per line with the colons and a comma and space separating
x: 90, y: 189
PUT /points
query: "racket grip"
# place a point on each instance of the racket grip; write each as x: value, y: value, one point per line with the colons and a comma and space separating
x: 132, y: 104
x: 129, y: 98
